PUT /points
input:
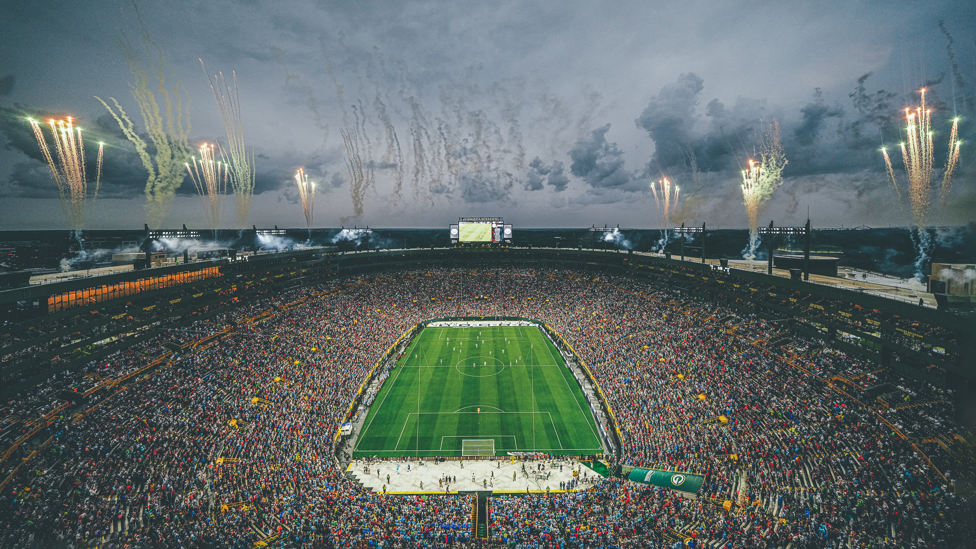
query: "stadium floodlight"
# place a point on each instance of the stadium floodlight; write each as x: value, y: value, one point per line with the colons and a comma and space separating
x: 682, y: 230
x: 178, y: 233
x: 264, y: 232
x: 772, y: 232
x: 777, y: 231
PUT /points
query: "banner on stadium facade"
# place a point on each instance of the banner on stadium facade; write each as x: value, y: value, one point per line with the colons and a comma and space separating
x: 675, y: 480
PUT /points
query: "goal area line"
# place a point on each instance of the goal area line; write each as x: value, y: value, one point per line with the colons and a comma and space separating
x: 471, y: 447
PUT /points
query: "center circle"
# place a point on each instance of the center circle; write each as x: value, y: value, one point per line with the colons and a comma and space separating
x: 487, y: 366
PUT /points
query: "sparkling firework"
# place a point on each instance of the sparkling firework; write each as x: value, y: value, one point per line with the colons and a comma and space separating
x: 761, y: 180
x: 68, y: 170
x: 165, y: 127
x: 307, y: 191
x: 210, y: 179
x: 918, y: 154
x: 240, y: 163
x: 667, y: 201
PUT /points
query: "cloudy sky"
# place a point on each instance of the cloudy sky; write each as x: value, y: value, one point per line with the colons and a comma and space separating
x: 551, y: 114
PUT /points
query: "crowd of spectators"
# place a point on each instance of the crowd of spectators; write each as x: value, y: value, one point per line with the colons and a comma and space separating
x: 233, y: 443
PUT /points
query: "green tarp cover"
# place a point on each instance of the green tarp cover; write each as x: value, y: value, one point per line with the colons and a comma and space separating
x: 685, y: 482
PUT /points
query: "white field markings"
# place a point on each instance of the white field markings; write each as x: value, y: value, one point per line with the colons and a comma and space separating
x: 458, y: 411
x: 545, y: 341
x: 519, y: 365
x: 391, y: 383
x: 441, y: 449
x: 477, y: 355
x: 420, y: 344
x: 551, y: 422
x: 578, y: 405
x: 468, y: 336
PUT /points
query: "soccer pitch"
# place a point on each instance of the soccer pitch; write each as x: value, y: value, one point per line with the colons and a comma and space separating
x: 529, y: 401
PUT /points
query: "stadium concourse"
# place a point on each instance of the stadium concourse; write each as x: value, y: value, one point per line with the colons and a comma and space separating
x: 232, y: 445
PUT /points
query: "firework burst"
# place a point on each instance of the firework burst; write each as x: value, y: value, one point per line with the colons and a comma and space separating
x: 307, y: 191
x: 239, y: 162
x: 67, y: 167
x: 761, y: 180
x: 210, y: 179
x: 918, y: 155
x: 666, y: 201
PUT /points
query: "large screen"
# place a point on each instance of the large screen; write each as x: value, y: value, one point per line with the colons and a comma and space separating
x: 479, y: 232
x: 481, y: 229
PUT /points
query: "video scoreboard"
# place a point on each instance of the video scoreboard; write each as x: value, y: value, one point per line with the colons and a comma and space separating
x: 481, y: 229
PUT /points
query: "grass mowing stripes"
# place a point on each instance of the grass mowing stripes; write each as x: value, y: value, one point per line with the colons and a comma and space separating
x: 529, y: 400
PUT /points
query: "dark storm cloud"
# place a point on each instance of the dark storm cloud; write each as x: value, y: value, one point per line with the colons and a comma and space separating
x: 815, y: 115
x: 479, y: 188
x: 557, y: 177
x: 540, y: 175
x: 672, y: 121
x: 29, y: 180
x: 820, y: 137
x: 670, y: 118
x: 599, y: 163
x: 537, y: 175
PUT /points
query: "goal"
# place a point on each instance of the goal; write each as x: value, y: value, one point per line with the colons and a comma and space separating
x: 478, y: 447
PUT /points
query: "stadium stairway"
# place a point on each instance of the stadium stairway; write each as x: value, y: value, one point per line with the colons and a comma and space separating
x: 481, y: 518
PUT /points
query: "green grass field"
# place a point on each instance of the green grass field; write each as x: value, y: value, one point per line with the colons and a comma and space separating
x: 474, y: 232
x: 430, y: 403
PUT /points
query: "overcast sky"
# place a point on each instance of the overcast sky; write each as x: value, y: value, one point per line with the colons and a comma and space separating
x: 551, y: 114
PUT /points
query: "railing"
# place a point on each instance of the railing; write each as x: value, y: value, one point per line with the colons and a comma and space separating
x: 43, y: 423
x: 23, y: 461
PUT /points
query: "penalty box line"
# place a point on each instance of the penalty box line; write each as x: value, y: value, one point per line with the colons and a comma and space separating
x: 442, y: 330
x: 480, y: 437
x: 551, y: 422
x: 488, y: 366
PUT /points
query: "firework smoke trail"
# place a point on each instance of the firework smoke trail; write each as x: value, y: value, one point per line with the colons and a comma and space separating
x: 418, y: 131
x: 307, y: 191
x: 393, y: 151
x: 210, y: 179
x: 360, y: 173
x: 761, y: 180
x: 952, y: 158
x: 239, y: 163
x: 165, y: 128
x: 666, y: 202
x: 918, y: 155
x: 891, y: 173
x: 68, y: 171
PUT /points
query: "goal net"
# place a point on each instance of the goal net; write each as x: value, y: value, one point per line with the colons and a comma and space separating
x: 477, y: 447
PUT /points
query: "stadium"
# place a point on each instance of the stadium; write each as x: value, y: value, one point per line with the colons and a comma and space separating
x: 320, y: 398
x: 521, y: 275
